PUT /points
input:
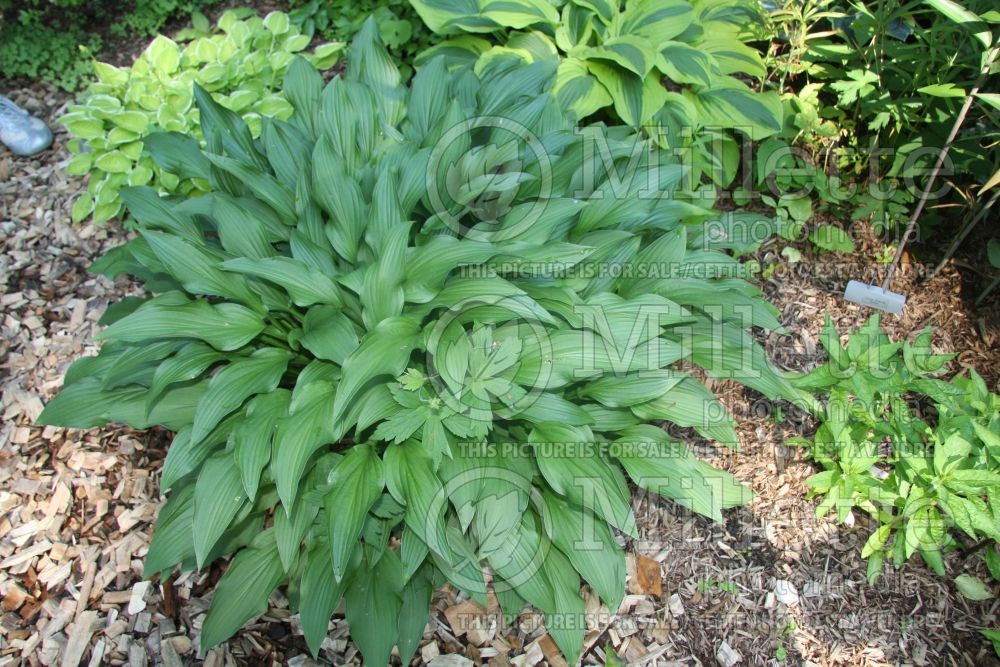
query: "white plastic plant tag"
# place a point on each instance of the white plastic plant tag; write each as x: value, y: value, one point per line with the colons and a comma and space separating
x: 873, y: 296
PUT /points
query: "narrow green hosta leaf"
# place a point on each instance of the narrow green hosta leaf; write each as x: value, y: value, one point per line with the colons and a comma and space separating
x: 185, y: 455
x: 85, y: 405
x: 173, y: 539
x: 689, y: 403
x: 590, y: 546
x: 288, y: 150
x: 381, y: 293
x: 239, y: 380
x: 251, y: 438
x: 320, y: 596
x: 226, y: 131
x: 355, y: 484
x: 218, y: 497
x: 373, y: 606
x: 307, y: 428
x: 412, y: 552
x: 289, y: 530
x: 428, y: 266
x: 226, y: 326
x: 520, y: 563
x: 134, y: 367
x: 197, y: 268
x: 303, y: 87
x: 305, y: 285
x: 547, y: 406
x: 241, y: 232
x: 566, y: 620
x: 411, y: 480
x: 265, y: 186
x: 369, y: 63
x: 178, y: 154
x: 670, y: 469
x: 385, y: 350
x: 152, y: 212
x: 429, y: 98
x: 569, y: 460
x: 243, y: 590
x: 619, y: 392
x: 344, y: 204
x: 190, y: 362
x: 413, y: 613
x: 328, y: 334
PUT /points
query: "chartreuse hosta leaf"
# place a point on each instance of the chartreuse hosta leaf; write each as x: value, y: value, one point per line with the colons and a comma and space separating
x: 389, y: 364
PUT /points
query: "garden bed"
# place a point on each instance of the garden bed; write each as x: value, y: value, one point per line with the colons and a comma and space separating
x: 772, y: 583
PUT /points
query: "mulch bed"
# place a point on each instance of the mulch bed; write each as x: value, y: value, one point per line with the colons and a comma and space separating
x: 770, y: 585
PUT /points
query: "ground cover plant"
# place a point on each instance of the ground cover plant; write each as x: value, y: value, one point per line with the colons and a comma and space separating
x: 55, y: 40
x: 242, y: 64
x: 399, y: 26
x: 396, y: 341
x: 919, y: 455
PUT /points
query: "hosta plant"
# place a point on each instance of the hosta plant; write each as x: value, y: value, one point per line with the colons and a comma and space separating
x: 919, y: 455
x: 242, y: 64
x: 675, y: 67
x: 416, y: 335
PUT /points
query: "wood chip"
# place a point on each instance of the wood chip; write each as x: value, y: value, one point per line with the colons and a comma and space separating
x: 463, y: 616
x: 551, y: 651
x: 649, y: 576
x: 79, y: 638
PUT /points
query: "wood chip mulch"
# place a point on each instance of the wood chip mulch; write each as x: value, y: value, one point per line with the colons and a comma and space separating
x: 771, y: 585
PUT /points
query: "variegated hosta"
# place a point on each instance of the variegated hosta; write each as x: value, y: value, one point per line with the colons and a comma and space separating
x: 376, y: 388
x: 619, y: 53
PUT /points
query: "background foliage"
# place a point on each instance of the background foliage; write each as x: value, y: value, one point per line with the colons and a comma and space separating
x: 53, y: 40
x: 242, y: 64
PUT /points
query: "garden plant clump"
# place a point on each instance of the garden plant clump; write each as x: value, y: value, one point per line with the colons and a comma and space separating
x: 439, y: 336
x: 395, y: 348
x: 921, y: 456
x: 242, y: 65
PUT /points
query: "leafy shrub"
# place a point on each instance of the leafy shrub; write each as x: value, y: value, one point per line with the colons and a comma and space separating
x: 921, y: 456
x: 890, y: 76
x: 242, y: 66
x: 399, y: 26
x: 618, y: 54
x: 377, y: 378
x: 53, y: 40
